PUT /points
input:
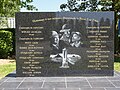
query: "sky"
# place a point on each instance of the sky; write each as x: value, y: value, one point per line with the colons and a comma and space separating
x: 46, y: 5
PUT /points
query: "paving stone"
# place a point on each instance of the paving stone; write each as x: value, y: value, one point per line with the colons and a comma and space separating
x: 15, y: 80
x: 61, y: 83
x: 77, y: 84
x: 54, y: 85
x: 75, y: 79
x: 9, y: 85
x: 26, y: 85
x: 15, y: 89
x: 3, y: 79
x: 97, y: 80
x: 43, y: 89
x: 33, y: 79
x: 101, y: 84
x: 1, y: 82
x: 66, y: 88
x: 118, y: 73
x: 114, y: 78
x: 92, y: 89
x: 116, y: 83
x: 55, y: 79
x: 112, y: 88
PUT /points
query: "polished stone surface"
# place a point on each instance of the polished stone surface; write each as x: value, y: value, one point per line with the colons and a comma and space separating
x: 11, y: 82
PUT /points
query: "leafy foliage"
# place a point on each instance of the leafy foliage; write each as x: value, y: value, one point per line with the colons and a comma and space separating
x: 80, y: 5
x: 5, y: 43
x: 26, y: 4
x: 91, y: 5
x: 9, y: 7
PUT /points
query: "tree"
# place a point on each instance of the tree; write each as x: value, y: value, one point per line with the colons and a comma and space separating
x: 91, y: 5
x: 9, y: 7
x: 72, y: 5
x: 110, y: 5
x: 80, y: 5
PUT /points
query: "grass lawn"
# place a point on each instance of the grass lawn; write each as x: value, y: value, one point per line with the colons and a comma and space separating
x: 117, y: 66
x: 117, y: 63
x: 6, y: 68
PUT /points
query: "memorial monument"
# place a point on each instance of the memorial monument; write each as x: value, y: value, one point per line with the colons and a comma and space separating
x: 64, y: 44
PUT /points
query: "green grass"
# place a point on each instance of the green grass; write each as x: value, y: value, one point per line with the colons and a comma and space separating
x: 117, y: 66
x: 6, y: 69
x: 117, y: 63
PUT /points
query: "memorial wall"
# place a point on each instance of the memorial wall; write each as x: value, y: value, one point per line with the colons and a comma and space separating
x: 64, y: 44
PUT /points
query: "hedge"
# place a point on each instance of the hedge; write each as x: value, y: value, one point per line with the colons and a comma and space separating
x: 5, y: 43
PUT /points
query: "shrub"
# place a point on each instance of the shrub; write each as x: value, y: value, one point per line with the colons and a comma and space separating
x: 117, y: 58
x: 5, y: 43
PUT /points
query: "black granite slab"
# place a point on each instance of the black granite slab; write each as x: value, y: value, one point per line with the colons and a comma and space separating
x: 58, y: 44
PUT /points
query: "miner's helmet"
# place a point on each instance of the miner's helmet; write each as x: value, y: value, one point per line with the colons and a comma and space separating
x: 65, y: 28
